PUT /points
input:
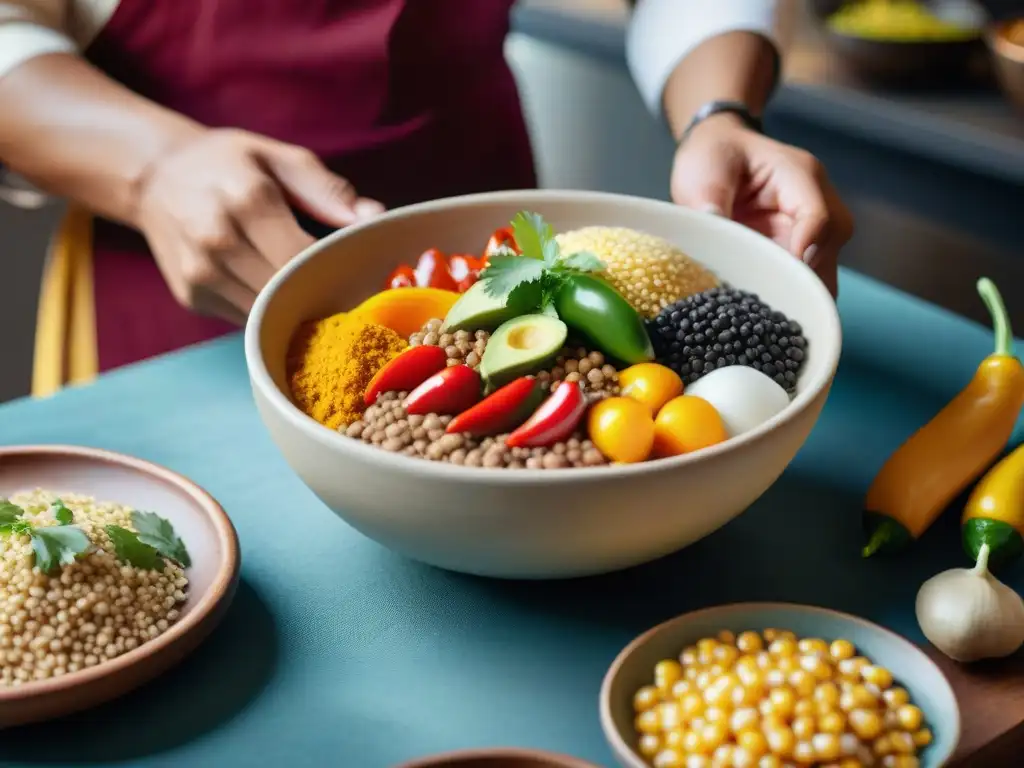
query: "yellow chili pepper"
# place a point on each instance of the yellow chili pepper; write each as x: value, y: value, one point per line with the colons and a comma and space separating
x: 945, y: 455
x: 994, y: 514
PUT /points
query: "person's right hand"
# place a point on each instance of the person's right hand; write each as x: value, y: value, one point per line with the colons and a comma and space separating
x: 217, y: 218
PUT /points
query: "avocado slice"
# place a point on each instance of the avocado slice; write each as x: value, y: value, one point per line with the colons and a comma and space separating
x: 477, y: 310
x: 521, y: 346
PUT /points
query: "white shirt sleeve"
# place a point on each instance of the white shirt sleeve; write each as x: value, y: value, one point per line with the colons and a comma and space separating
x: 662, y: 32
x: 30, y: 28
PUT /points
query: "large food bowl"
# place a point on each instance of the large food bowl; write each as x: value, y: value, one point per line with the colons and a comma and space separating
x: 533, y: 523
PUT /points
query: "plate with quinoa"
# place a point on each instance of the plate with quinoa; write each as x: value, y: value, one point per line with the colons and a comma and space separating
x: 112, y: 569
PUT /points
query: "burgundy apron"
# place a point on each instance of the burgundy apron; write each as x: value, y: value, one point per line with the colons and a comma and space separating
x: 408, y: 99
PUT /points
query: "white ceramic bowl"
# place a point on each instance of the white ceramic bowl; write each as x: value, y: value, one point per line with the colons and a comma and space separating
x: 532, y: 523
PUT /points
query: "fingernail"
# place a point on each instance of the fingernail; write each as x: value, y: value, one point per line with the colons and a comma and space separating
x: 367, y: 209
x: 713, y: 209
x: 810, y: 257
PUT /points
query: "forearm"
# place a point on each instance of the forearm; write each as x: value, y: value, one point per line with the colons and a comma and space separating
x: 76, y: 133
x: 735, y: 66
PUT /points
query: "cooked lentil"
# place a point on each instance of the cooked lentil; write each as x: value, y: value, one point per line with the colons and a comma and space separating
x: 94, y: 609
x: 597, y: 377
x: 726, y: 326
x: 649, y: 271
x: 387, y: 425
x: 772, y: 699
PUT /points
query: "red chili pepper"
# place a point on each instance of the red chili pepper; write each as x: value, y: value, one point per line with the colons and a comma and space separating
x: 506, y: 409
x: 403, y: 277
x: 406, y: 372
x: 465, y: 270
x: 432, y: 271
x: 501, y: 238
x: 554, y: 421
x: 451, y: 391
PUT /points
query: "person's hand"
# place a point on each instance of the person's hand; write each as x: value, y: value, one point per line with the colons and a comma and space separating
x: 217, y: 218
x: 778, y: 190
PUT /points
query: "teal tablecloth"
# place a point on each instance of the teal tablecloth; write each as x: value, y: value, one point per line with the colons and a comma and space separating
x: 337, y: 652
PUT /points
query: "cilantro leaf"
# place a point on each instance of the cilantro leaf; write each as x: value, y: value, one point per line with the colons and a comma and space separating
x: 129, y: 549
x: 552, y: 254
x: 505, y: 273
x: 61, y: 513
x: 159, y: 534
x: 9, y: 513
x: 583, y: 261
x: 531, y: 233
x: 525, y: 298
x: 58, y: 545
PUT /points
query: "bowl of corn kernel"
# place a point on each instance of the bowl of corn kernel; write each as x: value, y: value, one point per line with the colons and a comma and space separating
x: 773, y: 685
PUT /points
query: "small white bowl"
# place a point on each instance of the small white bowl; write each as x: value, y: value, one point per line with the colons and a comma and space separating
x: 533, y: 523
x: 634, y: 667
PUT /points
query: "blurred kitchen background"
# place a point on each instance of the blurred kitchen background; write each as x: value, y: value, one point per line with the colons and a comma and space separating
x: 919, y: 120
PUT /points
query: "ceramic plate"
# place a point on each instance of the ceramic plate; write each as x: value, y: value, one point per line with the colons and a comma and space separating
x: 197, y: 518
x: 912, y: 669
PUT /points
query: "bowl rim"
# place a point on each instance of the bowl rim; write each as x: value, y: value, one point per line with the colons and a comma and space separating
x: 427, y: 470
x: 557, y: 759
x: 221, y: 587
x: 1001, y: 45
x: 622, y: 747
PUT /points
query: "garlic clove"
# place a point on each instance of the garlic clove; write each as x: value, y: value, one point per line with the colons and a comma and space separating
x: 969, y: 615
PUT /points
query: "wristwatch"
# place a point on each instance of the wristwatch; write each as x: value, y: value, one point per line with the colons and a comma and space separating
x: 737, y: 108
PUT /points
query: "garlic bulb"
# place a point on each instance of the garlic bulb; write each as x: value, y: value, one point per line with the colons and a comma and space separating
x: 968, y: 614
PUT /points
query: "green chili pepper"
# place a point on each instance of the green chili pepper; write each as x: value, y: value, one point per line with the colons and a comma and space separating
x: 595, y: 310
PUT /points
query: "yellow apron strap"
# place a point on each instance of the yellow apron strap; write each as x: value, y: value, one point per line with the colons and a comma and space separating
x: 65, y: 349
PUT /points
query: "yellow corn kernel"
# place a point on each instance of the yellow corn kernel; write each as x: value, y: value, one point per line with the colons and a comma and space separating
x: 726, y: 655
x: 671, y: 715
x: 770, y: 634
x: 780, y: 740
x: 850, y: 762
x: 827, y: 693
x: 713, y: 735
x: 850, y: 668
x: 803, y: 753
x: 782, y: 647
x: 692, y: 673
x: 669, y: 758
x: 698, y: 761
x: 833, y: 722
x: 722, y: 756
x: 782, y: 701
x: 841, y: 650
x: 727, y: 637
x: 674, y: 739
x: 748, y: 673
x: 742, y: 758
x: 716, y: 671
x: 857, y: 697
x: 774, y: 678
x: 803, y: 683
x: 826, y: 746
x: 923, y: 737
x: 882, y: 746
x: 804, y: 728
x: 706, y: 650
x: 716, y: 715
x: 866, y: 723
x: 910, y: 717
x: 703, y: 680
x: 646, y: 698
x: 747, y: 695
x: 876, y: 675
x: 764, y: 660
x: 900, y: 761
x: 804, y: 708
x: 769, y: 761
x: 902, y: 743
x: 666, y: 674
x: 681, y: 688
x: 692, y: 705
x: 813, y: 645
x: 896, y: 697
x: 648, y: 722
x: 649, y: 744
x: 817, y: 667
x: 719, y: 693
x: 689, y: 656
x: 749, y: 642
x: 744, y: 720
x: 691, y: 743
x: 754, y: 742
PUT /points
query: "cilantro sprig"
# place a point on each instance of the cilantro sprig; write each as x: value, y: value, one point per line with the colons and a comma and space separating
x: 53, y: 546
x: 530, y: 281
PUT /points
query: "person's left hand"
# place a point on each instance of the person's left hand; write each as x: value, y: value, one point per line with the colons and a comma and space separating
x: 780, y: 191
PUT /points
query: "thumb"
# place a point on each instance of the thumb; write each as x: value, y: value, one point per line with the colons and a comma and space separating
x: 311, y: 186
x: 709, y: 183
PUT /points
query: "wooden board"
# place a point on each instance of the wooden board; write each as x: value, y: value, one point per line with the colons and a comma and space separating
x: 991, y: 698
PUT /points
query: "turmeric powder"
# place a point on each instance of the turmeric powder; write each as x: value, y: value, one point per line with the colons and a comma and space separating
x: 331, y: 361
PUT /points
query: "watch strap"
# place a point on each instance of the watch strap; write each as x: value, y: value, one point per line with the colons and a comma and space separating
x: 712, y: 108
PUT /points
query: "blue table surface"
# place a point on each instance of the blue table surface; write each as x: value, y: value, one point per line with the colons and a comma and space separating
x: 338, y: 652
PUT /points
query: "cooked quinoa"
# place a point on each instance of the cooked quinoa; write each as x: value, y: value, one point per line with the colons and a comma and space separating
x: 92, y: 610
x: 649, y: 271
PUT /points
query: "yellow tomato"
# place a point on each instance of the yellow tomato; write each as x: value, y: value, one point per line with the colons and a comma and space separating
x: 687, y: 424
x: 651, y: 384
x: 405, y: 310
x: 622, y: 429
